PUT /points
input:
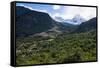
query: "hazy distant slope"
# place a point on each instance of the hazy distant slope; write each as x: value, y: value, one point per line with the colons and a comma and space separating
x: 88, y: 25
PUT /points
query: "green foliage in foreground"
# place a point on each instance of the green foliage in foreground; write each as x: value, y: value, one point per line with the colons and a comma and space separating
x: 62, y: 49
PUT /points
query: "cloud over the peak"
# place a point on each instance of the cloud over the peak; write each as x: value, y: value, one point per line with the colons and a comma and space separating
x: 85, y: 12
x: 56, y: 7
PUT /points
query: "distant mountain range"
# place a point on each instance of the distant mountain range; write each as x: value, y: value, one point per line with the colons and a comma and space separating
x: 31, y: 22
x: 76, y: 20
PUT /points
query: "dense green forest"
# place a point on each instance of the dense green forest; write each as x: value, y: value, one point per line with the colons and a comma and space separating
x: 61, y: 49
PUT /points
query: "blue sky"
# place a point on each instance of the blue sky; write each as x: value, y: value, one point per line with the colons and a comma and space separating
x: 65, y: 12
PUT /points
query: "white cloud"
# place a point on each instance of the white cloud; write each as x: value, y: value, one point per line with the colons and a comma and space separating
x: 42, y: 10
x: 68, y: 12
x: 85, y: 12
x: 56, y: 15
x: 56, y: 7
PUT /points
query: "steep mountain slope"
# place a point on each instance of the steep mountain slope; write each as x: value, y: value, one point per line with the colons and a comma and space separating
x: 30, y: 22
x: 88, y: 25
x: 21, y: 11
